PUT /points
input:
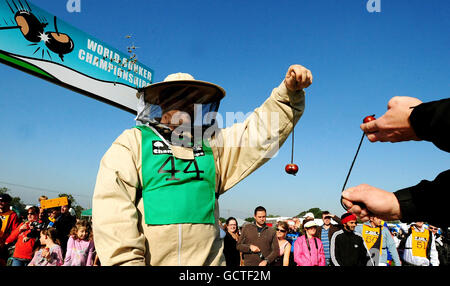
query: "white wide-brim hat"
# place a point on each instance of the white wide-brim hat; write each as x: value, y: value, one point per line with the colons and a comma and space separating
x: 310, y: 224
x: 182, y: 88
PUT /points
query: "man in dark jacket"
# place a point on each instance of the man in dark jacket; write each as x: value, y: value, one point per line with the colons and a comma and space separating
x: 63, y: 225
x: 347, y: 248
x: 326, y: 231
x: 258, y: 243
x: 408, y: 119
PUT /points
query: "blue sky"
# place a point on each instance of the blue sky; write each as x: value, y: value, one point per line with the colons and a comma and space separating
x: 53, y: 138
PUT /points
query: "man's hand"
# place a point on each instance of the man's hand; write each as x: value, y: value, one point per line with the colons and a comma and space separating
x: 298, y: 78
x: 378, y: 202
x: 394, y: 125
x: 263, y: 263
x: 254, y: 248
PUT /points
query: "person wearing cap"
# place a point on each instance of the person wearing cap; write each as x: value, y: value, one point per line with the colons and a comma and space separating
x: 326, y: 231
x: 347, y: 248
x: 9, y: 222
x: 418, y: 248
x: 308, y: 215
x: 157, y: 189
x: 378, y: 241
x: 308, y: 249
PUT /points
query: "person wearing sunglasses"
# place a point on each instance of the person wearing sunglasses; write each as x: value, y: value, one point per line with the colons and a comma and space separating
x: 24, y: 244
x: 308, y: 249
x: 285, y: 247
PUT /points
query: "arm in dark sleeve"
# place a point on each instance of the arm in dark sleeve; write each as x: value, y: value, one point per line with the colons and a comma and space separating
x: 426, y: 201
x: 335, y: 250
x: 431, y: 122
x: 275, y: 249
x: 242, y: 244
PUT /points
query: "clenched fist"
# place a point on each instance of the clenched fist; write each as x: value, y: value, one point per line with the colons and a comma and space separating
x: 298, y: 77
x: 378, y: 202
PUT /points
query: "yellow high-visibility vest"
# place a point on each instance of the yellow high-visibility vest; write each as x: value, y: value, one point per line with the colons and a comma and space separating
x: 419, y: 242
x: 4, y: 217
x: 373, y: 237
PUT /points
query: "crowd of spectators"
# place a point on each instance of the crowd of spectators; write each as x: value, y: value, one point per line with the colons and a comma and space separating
x: 46, y: 237
x: 55, y: 237
x: 337, y: 241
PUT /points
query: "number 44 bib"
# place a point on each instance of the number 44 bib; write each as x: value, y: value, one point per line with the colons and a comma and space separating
x: 174, y: 190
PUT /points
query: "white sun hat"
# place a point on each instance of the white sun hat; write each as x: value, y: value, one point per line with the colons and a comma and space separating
x: 179, y: 87
x: 310, y: 224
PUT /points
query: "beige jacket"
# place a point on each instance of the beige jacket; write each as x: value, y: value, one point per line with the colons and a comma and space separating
x: 120, y: 233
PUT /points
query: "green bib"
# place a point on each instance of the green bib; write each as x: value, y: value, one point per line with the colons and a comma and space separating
x: 176, y: 191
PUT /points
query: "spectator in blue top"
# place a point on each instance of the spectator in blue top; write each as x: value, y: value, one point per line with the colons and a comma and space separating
x: 325, y: 232
x: 291, y: 236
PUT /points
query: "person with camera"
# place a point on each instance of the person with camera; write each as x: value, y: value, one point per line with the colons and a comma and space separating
x: 25, y: 238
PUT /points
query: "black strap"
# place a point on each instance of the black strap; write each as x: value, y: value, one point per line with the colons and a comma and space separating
x: 307, y: 244
x: 309, y: 248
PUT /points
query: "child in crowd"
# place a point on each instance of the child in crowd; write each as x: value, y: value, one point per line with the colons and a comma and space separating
x: 53, y: 214
x: 42, y: 198
x: 50, y: 253
x: 80, y: 246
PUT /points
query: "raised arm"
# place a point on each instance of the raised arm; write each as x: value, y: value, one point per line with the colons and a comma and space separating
x: 244, y: 147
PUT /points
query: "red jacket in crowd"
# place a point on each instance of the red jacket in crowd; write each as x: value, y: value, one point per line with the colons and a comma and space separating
x: 24, y: 249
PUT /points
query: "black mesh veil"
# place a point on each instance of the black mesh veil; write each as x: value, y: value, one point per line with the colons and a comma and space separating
x: 197, y: 101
